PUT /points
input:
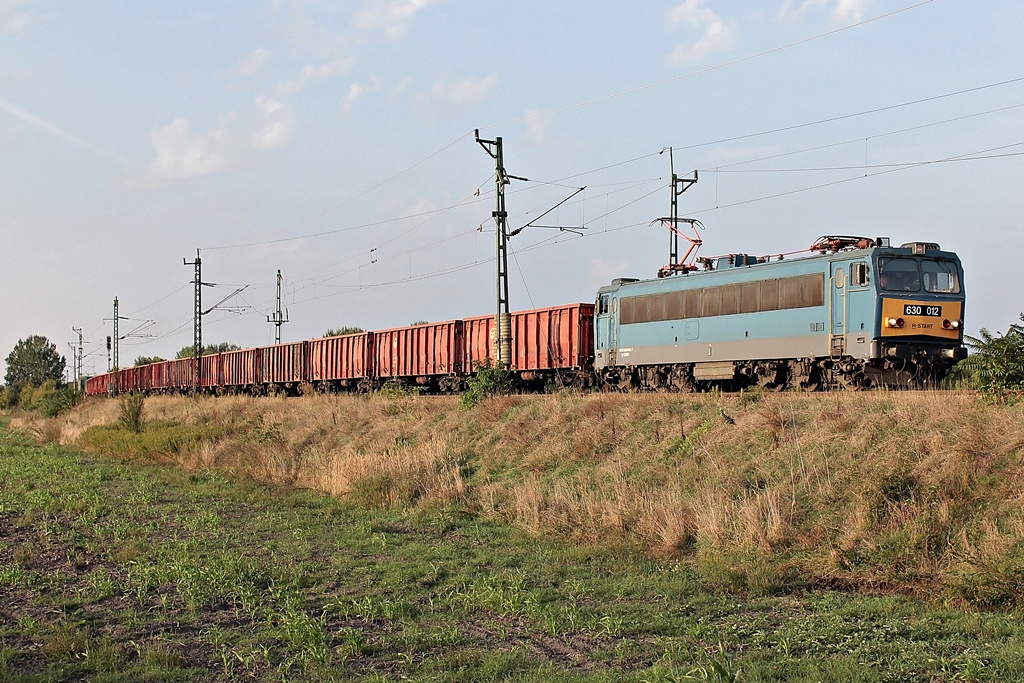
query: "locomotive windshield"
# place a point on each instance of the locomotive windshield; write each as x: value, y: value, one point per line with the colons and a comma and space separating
x: 901, y: 274
x: 940, y: 276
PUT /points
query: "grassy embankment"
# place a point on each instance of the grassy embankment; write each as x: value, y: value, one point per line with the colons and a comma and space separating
x: 694, y: 522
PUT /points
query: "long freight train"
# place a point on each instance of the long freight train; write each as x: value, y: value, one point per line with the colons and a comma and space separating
x: 858, y: 314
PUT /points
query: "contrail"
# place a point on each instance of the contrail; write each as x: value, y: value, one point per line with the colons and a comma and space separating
x: 20, y: 113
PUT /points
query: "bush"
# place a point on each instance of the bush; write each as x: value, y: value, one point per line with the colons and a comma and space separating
x: 996, y: 368
x: 489, y: 380
x: 131, y: 411
x: 59, y: 401
x: 27, y: 397
x: 8, y: 398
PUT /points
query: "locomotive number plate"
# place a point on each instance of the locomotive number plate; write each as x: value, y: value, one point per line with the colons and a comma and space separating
x: 918, y: 309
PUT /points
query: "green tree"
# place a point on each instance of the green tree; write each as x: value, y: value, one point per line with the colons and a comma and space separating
x: 187, y: 351
x: 996, y: 366
x: 33, y: 361
x: 341, y: 331
x: 147, y: 360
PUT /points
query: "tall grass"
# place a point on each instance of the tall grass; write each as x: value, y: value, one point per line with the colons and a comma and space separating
x: 908, y: 490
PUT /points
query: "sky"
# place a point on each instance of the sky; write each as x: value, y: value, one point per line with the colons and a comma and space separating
x: 335, y: 143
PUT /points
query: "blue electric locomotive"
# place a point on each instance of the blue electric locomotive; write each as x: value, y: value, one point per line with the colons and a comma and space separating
x: 859, y: 314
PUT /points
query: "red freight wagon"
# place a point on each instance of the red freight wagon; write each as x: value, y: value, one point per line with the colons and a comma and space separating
x: 477, y: 342
x: 210, y: 376
x: 341, y: 361
x: 119, y: 380
x: 240, y: 369
x: 180, y: 375
x: 424, y: 354
x: 156, y: 375
x: 284, y: 365
x: 131, y: 380
x: 96, y: 386
x: 554, y: 338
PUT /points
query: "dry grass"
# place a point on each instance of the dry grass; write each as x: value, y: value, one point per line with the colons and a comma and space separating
x: 899, y: 487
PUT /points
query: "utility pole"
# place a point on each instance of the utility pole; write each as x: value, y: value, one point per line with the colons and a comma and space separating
x: 78, y: 360
x: 73, y: 377
x: 116, y: 344
x: 672, y: 221
x: 503, y: 318
x: 112, y: 342
x: 679, y: 186
x: 197, y: 341
x: 197, y: 322
x: 278, y: 320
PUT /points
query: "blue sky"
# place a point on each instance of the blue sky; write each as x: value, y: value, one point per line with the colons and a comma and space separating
x: 334, y: 141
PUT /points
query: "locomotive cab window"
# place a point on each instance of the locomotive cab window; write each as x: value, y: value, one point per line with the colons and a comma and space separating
x: 603, y: 308
x: 899, y: 274
x: 940, y: 277
x: 859, y: 274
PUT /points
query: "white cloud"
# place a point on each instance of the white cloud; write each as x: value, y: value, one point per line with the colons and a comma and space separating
x: 12, y: 17
x: 278, y: 122
x: 20, y: 113
x: 254, y: 62
x: 354, y: 91
x: 313, y: 72
x: 717, y: 36
x: 180, y: 153
x: 842, y: 11
x: 537, y: 127
x: 849, y: 11
x: 357, y: 91
x: 458, y: 94
x: 391, y: 16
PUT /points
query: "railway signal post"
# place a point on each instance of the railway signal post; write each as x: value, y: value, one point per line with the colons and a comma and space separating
x: 503, y: 318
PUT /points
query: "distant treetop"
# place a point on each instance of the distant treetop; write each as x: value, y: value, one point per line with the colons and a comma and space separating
x: 33, y: 361
x: 187, y: 352
x: 341, y: 331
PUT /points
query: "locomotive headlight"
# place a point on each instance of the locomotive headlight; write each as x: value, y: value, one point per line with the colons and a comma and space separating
x: 894, y: 322
x: 951, y: 324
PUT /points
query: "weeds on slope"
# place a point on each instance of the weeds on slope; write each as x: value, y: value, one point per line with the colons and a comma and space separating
x: 117, y: 570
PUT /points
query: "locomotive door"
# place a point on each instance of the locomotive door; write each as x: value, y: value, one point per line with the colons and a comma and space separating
x: 605, y: 332
x: 850, y: 307
x: 838, y: 310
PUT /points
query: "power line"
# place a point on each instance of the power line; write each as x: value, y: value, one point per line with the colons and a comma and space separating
x: 969, y: 156
x: 709, y: 69
x: 866, y: 112
x: 347, y: 201
x: 861, y: 139
x: 870, y: 166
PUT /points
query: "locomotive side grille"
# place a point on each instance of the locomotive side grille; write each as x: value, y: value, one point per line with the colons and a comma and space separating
x: 801, y: 291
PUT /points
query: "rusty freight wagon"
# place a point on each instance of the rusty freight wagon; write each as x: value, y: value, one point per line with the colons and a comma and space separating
x: 428, y: 355
x: 343, y: 362
x: 240, y: 371
x: 283, y: 366
x: 180, y: 376
x: 553, y: 344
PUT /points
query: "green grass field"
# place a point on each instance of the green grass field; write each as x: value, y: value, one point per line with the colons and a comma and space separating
x: 118, y: 570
